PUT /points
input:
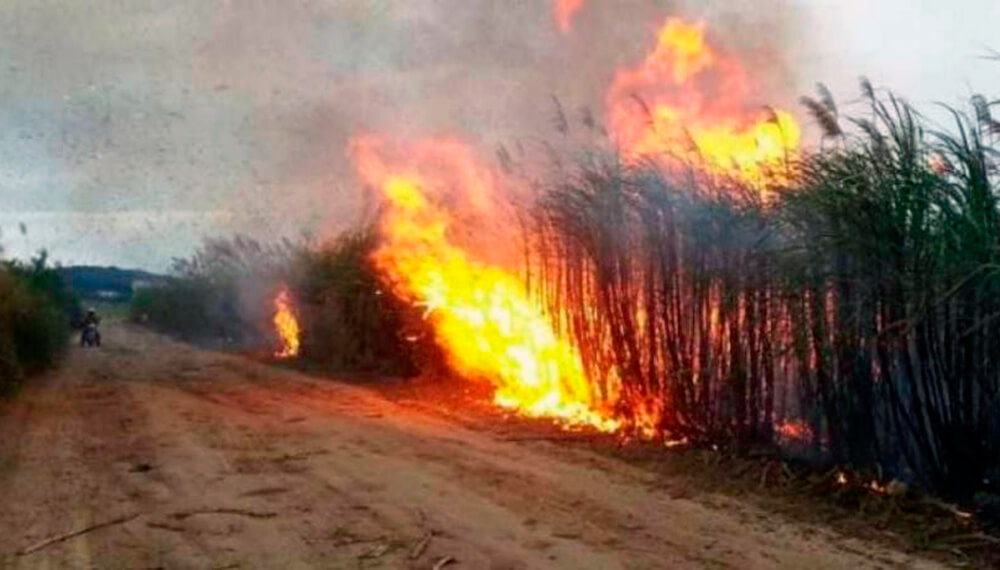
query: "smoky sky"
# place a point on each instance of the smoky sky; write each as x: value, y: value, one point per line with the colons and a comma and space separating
x: 130, y: 130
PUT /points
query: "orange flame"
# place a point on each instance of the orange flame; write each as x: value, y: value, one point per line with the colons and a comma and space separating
x: 482, y: 315
x: 565, y: 10
x: 690, y: 99
x: 286, y: 325
x: 795, y: 431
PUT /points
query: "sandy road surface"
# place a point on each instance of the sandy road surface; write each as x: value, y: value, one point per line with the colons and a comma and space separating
x: 219, y: 462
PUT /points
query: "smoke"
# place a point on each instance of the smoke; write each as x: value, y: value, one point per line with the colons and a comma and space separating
x: 246, y: 108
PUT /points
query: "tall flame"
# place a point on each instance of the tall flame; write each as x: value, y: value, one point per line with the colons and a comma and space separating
x: 482, y: 314
x: 564, y: 11
x: 286, y: 325
x: 689, y: 99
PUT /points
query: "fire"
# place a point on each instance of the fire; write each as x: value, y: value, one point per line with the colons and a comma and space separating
x: 484, y: 318
x: 286, y: 325
x: 482, y: 314
x: 690, y: 100
x: 565, y: 10
x: 645, y: 419
x: 795, y: 431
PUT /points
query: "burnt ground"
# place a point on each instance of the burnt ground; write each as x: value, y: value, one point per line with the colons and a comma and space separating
x: 149, y: 453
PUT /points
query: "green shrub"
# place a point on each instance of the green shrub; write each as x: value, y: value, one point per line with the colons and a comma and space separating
x: 191, y: 308
x: 34, y: 321
x: 350, y: 321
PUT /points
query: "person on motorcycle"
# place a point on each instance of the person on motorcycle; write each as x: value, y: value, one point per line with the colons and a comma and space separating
x: 91, y: 320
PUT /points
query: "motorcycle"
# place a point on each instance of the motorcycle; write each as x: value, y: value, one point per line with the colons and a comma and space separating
x: 91, y: 336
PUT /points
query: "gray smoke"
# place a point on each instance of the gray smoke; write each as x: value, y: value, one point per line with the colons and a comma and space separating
x: 129, y: 130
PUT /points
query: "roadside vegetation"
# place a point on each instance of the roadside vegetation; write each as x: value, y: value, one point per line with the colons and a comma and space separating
x: 35, y: 314
x: 348, y: 321
x: 218, y: 294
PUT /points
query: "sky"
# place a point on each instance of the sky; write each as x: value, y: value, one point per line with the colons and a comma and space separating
x: 132, y: 129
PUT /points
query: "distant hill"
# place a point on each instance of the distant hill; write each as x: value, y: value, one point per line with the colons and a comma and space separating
x: 106, y: 283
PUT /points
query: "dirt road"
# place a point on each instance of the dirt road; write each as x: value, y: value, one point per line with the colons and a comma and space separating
x: 211, y: 461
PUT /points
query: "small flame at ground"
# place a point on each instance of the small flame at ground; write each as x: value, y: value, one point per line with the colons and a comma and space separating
x: 795, y: 431
x: 286, y: 325
x: 482, y: 315
x: 689, y: 100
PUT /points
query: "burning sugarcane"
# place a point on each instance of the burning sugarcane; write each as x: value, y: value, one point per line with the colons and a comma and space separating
x: 286, y: 325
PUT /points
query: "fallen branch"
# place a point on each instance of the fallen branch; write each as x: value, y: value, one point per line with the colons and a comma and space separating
x: 75, y: 533
x: 224, y: 511
x: 421, y: 546
x: 953, y: 509
x: 444, y: 562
